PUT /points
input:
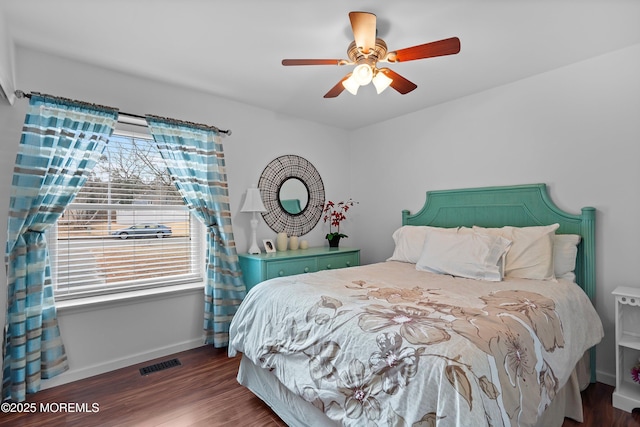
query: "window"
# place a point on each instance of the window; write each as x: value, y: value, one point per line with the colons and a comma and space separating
x: 127, y: 229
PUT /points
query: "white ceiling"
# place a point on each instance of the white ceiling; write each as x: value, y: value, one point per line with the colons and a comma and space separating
x: 233, y: 49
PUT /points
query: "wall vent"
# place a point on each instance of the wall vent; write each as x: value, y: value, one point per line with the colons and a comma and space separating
x: 159, y: 366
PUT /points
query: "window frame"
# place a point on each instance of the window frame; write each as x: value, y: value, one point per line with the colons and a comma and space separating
x: 137, y: 287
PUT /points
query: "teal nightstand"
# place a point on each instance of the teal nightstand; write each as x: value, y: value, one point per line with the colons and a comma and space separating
x: 258, y: 268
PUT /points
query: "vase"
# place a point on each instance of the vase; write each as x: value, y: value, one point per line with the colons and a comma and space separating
x: 293, y: 243
x: 281, y: 241
x: 335, y: 242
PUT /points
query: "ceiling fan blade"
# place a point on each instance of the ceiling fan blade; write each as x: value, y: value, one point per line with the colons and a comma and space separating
x: 399, y: 83
x: 337, y: 89
x: 313, y: 61
x: 444, y: 47
x: 363, y: 25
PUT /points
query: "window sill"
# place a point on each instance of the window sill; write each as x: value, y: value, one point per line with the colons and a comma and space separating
x: 89, y: 303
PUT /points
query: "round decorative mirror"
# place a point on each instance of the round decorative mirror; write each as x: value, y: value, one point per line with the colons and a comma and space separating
x: 293, y: 193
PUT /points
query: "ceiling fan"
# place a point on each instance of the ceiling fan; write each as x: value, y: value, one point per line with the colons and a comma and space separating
x: 366, y: 51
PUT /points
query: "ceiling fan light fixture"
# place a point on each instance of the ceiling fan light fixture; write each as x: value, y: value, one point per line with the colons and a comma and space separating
x: 363, y: 74
x: 351, y: 85
x: 381, y: 81
x: 366, y: 51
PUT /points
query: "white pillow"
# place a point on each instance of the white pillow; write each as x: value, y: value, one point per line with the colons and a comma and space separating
x: 409, y: 240
x: 565, y: 252
x: 531, y: 252
x: 465, y: 254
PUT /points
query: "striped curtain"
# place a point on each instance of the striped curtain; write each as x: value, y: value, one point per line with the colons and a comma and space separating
x: 61, y: 142
x: 195, y: 160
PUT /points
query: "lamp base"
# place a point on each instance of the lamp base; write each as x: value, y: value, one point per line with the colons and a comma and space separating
x: 254, y: 249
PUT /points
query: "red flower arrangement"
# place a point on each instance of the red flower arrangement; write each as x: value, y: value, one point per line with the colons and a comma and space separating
x: 635, y: 372
x: 335, y: 214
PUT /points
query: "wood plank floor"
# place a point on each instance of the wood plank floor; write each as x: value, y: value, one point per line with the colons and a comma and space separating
x: 204, y: 391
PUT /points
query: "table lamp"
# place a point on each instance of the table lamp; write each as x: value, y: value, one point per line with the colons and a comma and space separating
x: 253, y: 203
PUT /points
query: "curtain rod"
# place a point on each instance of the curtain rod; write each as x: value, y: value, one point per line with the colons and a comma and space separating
x: 128, y: 116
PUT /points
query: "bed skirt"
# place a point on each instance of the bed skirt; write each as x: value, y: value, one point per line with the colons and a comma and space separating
x: 296, y: 412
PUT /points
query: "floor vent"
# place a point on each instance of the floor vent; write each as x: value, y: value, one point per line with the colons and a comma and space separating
x: 159, y: 366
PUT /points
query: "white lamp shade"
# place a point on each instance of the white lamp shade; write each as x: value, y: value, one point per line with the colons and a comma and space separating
x: 381, y: 81
x: 351, y: 85
x: 253, y: 201
x: 363, y: 74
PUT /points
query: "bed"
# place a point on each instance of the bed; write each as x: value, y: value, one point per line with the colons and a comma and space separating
x: 499, y: 334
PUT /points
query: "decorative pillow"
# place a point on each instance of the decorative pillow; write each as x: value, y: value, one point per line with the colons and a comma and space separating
x: 565, y: 252
x: 409, y: 240
x: 465, y: 254
x: 531, y: 252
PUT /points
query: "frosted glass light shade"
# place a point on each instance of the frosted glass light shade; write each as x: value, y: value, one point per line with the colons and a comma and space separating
x: 381, y: 81
x: 351, y: 85
x: 363, y: 74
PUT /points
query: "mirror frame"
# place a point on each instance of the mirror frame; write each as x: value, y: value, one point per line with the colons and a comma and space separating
x: 274, y: 175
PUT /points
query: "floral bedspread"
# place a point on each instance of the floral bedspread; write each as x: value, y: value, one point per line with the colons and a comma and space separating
x: 384, y: 344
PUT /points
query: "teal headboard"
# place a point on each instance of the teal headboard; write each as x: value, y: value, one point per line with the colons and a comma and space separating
x: 292, y: 206
x: 519, y: 206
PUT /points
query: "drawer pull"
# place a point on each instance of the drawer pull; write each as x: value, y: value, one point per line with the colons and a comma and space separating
x: 281, y: 273
x: 306, y: 269
x: 328, y: 266
x: 348, y: 263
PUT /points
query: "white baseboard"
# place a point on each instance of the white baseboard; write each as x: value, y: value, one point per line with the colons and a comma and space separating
x: 606, y: 378
x: 89, y: 371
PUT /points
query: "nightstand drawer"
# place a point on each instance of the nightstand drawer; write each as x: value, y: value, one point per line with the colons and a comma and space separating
x: 291, y: 267
x: 332, y: 262
x: 260, y: 267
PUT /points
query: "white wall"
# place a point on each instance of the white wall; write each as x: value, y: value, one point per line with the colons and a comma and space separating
x: 105, y: 337
x: 6, y: 62
x: 576, y: 128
